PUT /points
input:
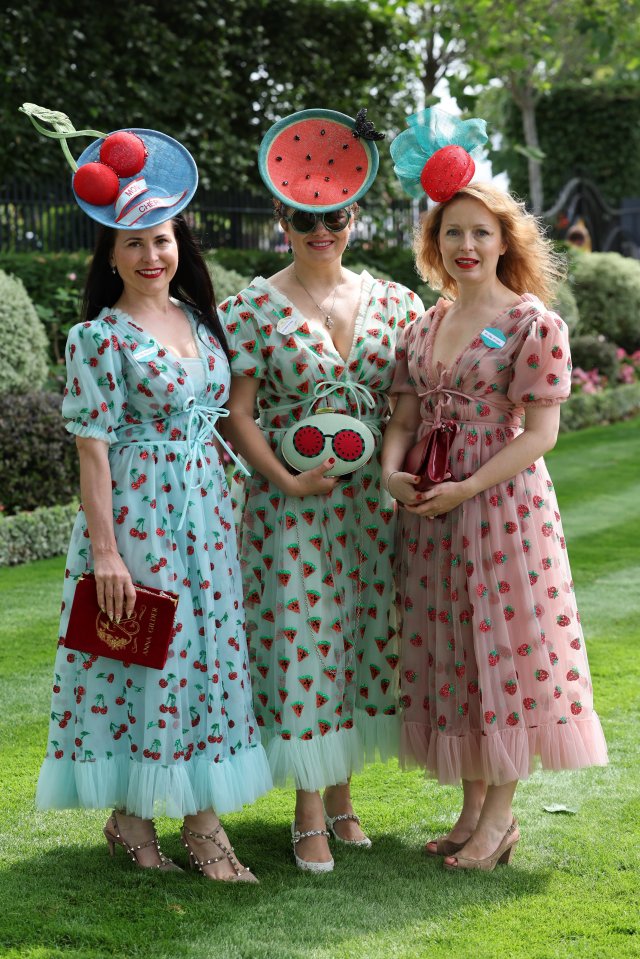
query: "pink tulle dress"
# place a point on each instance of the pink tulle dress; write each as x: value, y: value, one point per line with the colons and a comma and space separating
x: 494, y: 670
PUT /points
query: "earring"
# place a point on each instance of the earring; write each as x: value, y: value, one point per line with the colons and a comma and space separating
x: 113, y: 270
x: 289, y: 249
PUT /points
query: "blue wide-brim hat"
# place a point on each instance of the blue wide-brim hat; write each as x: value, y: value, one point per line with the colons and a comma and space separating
x: 319, y: 160
x: 169, y: 174
x: 128, y: 179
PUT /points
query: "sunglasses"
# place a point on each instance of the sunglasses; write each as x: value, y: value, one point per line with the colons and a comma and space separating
x: 303, y: 222
x: 309, y: 441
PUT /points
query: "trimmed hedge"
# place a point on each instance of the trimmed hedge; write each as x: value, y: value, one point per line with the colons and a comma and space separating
x: 607, y: 290
x: 590, y: 352
x: 40, y: 534
x: 583, y: 129
x: 23, y: 342
x: 596, y: 409
x: 38, y: 461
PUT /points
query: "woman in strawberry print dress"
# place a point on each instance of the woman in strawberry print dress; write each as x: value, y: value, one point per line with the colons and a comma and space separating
x: 316, y: 551
x: 493, y: 667
x: 148, y: 377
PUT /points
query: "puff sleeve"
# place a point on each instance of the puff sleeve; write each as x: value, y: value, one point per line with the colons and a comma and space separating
x: 541, y: 374
x: 410, y: 354
x: 95, y: 397
x: 244, y: 334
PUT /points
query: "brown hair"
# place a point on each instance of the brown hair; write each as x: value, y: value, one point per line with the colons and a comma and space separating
x: 529, y: 264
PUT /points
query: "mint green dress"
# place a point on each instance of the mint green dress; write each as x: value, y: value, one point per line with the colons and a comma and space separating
x: 317, y: 571
x: 184, y: 738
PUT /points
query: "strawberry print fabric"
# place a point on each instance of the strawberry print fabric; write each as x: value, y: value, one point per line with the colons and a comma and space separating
x: 494, y: 669
x: 317, y: 571
x: 184, y: 738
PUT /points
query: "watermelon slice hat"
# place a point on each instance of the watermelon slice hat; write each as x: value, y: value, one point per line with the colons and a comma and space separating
x: 127, y: 179
x: 435, y: 155
x: 319, y: 160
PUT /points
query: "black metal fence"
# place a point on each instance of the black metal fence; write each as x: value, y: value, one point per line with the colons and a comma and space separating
x: 45, y: 218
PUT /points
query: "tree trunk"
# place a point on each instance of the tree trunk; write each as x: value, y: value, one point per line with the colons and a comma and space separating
x: 526, y: 101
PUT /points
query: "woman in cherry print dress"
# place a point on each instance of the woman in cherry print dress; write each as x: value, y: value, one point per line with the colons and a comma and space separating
x: 148, y: 376
x: 493, y: 668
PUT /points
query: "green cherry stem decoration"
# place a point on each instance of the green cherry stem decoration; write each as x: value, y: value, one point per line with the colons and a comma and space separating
x: 62, y: 127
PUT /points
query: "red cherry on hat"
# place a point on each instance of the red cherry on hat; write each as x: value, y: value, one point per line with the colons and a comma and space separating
x: 96, y: 183
x: 124, y: 152
x: 446, y: 172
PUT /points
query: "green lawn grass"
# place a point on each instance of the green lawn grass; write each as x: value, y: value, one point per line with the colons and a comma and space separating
x: 572, y: 890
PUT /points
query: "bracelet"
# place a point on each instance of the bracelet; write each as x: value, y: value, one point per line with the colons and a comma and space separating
x: 392, y: 473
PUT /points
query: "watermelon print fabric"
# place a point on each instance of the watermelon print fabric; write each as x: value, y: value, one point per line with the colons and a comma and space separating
x: 494, y: 668
x: 181, y: 739
x: 317, y: 571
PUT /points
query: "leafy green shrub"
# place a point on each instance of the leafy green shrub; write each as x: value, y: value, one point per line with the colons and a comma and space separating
x: 23, y: 342
x: 566, y: 305
x: 39, y: 534
x: 590, y: 352
x: 592, y: 409
x: 607, y: 290
x: 39, y: 467
x: 226, y: 282
x: 250, y: 262
x: 45, y: 273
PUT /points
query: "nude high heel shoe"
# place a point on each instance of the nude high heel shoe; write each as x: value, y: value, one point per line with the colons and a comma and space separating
x: 501, y: 856
x: 114, y: 838
x: 242, y: 873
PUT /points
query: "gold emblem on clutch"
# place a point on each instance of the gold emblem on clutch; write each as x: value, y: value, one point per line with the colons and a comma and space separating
x: 122, y: 634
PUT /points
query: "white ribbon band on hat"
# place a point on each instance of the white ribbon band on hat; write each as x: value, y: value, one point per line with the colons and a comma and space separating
x: 152, y: 203
x: 128, y: 194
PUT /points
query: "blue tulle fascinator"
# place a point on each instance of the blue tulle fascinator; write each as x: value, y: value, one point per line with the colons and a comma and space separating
x: 435, y: 155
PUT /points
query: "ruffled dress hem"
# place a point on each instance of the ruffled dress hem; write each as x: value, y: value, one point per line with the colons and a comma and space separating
x: 146, y: 790
x: 504, y: 756
x: 329, y: 760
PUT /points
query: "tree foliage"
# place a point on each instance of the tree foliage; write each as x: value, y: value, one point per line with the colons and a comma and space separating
x: 215, y: 74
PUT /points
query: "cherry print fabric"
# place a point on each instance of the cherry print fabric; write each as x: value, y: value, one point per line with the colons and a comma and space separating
x: 317, y: 571
x: 494, y: 669
x: 181, y: 739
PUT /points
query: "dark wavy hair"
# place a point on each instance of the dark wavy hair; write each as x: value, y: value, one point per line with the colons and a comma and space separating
x: 191, y: 284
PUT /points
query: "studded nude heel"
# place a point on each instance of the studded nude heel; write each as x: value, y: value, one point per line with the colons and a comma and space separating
x: 242, y: 873
x: 305, y: 864
x: 114, y: 838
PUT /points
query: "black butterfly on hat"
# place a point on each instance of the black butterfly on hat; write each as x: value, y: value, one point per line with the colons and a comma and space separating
x: 365, y: 128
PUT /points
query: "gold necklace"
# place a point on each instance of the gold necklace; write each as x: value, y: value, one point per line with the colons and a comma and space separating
x: 328, y: 322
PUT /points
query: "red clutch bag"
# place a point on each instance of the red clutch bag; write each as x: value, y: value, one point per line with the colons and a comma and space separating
x: 143, y: 639
x: 429, y: 458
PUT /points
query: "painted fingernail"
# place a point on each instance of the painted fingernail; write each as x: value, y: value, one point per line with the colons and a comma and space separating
x: 332, y: 460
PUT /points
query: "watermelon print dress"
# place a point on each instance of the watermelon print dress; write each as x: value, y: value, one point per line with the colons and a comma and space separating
x: 494, y: 669
x: 317, y: 571
x: 184, y: 738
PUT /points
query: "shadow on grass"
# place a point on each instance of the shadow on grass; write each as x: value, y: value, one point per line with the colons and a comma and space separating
x: 79, y: 901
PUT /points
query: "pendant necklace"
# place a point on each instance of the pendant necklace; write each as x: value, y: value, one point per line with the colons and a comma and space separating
x: 327, y: 317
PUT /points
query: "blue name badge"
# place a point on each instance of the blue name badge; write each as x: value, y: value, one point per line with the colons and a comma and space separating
x: 493, y: 338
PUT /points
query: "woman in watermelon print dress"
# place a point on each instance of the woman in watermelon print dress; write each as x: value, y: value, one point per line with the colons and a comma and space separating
x: 316, y: 550
x: 147, y: 379
x: 494, y: 669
